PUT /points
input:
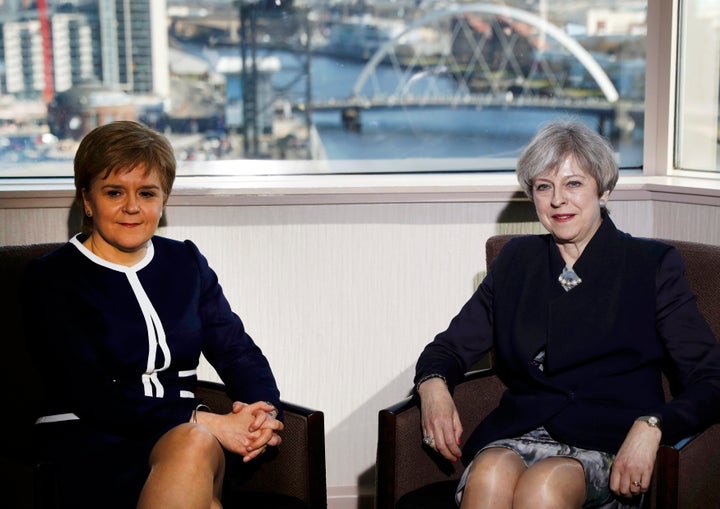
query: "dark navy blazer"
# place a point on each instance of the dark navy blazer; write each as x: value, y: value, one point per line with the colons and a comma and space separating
x: 606, y: 342
x: 118, y: 347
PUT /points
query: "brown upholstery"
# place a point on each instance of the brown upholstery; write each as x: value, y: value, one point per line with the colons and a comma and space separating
x: 295, y: 469
x: 293, y: 475
x: 409, y: 477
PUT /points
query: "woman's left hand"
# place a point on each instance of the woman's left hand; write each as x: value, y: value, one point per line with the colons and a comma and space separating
x: 633, y: 466
x: 266, y: 426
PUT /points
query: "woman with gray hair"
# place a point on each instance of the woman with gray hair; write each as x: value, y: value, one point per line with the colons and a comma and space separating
x: 581, y: 320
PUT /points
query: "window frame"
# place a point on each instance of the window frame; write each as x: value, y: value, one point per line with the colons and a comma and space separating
x: 697, y: 99
x: 660, y: 87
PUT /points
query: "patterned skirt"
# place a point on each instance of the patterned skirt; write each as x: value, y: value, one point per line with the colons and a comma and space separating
x: 538, y: 445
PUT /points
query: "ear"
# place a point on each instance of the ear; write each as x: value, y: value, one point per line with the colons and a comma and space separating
x: 605, y: 197
x: 85, y: 199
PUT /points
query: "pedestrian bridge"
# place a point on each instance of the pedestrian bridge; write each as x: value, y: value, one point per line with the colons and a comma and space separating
x: 492, y: 56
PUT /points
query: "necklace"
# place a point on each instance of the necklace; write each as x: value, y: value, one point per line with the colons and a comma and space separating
x: 569, y: 279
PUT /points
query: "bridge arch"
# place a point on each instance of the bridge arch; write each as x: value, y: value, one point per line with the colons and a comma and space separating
x: 590, y: 64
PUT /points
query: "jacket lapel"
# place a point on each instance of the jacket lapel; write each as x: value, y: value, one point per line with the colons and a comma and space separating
x: 580, y: 321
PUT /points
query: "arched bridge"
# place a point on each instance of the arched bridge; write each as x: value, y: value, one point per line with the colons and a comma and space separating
x: 482, y: 55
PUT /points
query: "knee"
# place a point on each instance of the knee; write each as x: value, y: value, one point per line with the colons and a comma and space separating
x: 491, y: 479
x: 544, y: 499
x: 495, y: 466
x: 533, y: 495
x: 482, y: 469
x: 197, y: 440
x: 552, y: 484
x: 190, y: 444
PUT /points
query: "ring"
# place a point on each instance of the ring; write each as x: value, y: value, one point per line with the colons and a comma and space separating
x: 428, y: 439
x: 636, y: 484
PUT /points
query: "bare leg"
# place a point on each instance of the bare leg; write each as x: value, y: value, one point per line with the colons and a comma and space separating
x: 187, y: 466
x: 553, y: 483
x: 492, y: 478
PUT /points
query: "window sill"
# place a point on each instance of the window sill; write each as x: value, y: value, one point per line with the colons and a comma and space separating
x: 366, y: 188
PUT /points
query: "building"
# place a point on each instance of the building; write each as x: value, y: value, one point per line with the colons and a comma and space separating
x: 134, y: 45
x: 23, y: 55
x: 76, y: 111
x: 232, y: 69
x: 615, y: 22
x: 72, y: 50
x: 59, y: 48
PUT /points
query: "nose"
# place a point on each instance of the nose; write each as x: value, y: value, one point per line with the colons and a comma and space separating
x: 558, y: 197
x: 131, y: 205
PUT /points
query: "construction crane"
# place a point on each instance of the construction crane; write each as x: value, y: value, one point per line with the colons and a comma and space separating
x: 49, y: 87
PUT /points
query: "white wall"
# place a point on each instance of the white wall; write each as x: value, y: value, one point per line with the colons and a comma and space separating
x: 343, y: 297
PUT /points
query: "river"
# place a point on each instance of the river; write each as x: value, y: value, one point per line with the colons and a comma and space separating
x: 462, y: 132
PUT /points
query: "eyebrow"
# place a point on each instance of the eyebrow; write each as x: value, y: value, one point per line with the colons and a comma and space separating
x: 573, y: 175
x: 145, y: 186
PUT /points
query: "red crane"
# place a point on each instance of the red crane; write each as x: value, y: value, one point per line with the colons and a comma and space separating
x: 49, y: 88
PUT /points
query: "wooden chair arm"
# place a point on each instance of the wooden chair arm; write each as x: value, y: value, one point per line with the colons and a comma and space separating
x: 403, y: 463
x: 687, y: 476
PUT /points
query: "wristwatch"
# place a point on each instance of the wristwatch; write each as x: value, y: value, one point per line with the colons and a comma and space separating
x: 651, y: 420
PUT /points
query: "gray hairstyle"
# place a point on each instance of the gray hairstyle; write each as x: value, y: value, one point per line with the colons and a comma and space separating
x: 560, y: 139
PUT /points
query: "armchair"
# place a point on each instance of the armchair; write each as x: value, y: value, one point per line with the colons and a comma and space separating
x: 409, y: 476
x: 288, y: 477
x: 291, y: 476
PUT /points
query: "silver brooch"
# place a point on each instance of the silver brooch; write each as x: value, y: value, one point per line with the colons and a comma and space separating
x: 568, y: 279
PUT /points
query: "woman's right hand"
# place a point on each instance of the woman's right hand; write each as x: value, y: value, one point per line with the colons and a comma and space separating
x: 265, y: 423
x: 440, y: 419
x: 247, y: 430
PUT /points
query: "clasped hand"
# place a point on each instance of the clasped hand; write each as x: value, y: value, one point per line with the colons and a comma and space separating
x: 248, y: 430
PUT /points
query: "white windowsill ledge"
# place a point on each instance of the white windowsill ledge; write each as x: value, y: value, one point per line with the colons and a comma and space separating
x: 368, y: 188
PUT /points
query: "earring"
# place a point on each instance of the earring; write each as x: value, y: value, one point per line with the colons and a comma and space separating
x: 602, y: 204
x: 88, y: 212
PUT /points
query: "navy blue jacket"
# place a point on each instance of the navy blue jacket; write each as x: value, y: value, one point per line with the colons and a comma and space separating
x: 118, y: 347
x: 606, y: 342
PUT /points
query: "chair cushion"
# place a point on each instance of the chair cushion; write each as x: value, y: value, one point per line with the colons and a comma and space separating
x: 439, y: 495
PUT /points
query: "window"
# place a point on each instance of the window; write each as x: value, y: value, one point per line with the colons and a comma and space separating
x: 338, y: 86
x: 698, y: 97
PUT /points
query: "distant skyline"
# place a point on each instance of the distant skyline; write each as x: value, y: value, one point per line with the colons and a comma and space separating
x: 121, y: 45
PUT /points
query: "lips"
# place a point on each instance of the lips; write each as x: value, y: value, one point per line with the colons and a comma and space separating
x: 563, y: 217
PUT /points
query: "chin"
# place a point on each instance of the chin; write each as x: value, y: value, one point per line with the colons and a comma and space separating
x: 564, y: 239
x: 131, y: 247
